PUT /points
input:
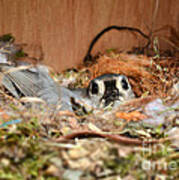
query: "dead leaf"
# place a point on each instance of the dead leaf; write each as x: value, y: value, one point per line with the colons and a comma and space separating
x: 131, y: 116
x: 4, y: 115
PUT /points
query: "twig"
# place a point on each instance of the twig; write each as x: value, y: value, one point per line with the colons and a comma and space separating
x: 113, y: 137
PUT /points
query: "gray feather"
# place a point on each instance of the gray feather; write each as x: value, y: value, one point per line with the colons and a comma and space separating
x: 34, y: 82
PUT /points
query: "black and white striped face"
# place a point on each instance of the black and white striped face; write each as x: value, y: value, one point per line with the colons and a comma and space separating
x: 108, y: 89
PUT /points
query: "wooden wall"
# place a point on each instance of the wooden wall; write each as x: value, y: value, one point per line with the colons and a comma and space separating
x: 64, y: 28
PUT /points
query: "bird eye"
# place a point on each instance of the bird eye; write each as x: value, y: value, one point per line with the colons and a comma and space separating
x: 94, y: 88
x: 124, y: 84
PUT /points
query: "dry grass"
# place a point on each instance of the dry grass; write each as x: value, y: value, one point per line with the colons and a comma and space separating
x: 146, y: 75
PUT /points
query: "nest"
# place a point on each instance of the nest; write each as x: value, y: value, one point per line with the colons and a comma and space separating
x: 147, y: 75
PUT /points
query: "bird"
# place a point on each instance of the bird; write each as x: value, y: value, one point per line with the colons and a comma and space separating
x: 34, y: 81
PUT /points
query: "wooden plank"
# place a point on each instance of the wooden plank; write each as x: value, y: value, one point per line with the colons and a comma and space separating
x: 64, y: 28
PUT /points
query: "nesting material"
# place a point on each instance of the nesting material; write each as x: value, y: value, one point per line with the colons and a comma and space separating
x: 147, y: 76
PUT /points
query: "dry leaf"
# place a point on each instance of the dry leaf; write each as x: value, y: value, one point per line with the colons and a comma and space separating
x: 131, y: 116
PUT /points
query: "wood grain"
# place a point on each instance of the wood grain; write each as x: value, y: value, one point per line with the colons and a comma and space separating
x: 64, y: 28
